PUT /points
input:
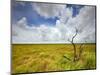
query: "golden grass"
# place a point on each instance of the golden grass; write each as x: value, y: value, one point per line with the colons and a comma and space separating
x: 50, y: 57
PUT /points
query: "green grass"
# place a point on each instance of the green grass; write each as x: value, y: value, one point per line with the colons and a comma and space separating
x: 50, y: 57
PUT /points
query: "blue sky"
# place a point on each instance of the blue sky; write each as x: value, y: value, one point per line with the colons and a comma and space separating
x: 26, y: 10
x: 34, y: 22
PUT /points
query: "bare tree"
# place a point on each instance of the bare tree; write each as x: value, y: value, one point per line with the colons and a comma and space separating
x: 74, y: 46
x: 80, y: 51
x: 76, y: 57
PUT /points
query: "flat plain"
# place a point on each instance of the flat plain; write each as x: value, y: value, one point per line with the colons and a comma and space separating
x: 28, y: 58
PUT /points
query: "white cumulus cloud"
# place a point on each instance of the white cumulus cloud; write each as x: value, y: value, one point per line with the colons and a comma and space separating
x: 22, y: 33
x: 48, y: 10
x: 62, y: 31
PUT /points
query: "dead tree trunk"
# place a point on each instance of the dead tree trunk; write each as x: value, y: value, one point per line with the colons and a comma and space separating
x: 76, y: 57
x: 74, y: 46
x: 80, y: 51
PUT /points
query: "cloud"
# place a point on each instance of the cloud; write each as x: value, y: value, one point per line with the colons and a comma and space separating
x: 65, y: 14
x: 85, y: 23
x: 26, y: 34
x: 48, y: 10
x: 62, y: 31
x: 23, y: 32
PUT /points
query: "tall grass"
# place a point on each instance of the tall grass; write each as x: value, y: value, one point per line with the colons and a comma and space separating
x: 51, y: 57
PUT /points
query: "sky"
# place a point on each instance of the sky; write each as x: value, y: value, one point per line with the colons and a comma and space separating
x: 34, y: 22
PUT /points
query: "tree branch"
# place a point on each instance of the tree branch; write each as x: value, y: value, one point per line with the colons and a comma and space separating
x: 80, y: 50
x: 74, y: 46
x: 75, y: 35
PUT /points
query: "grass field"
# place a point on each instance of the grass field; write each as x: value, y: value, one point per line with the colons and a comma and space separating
x: 51, y: 57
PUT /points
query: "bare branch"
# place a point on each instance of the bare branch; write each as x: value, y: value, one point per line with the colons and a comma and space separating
x: 80, y: 51
x: 76, y: 57
x: 75, y: 34
x: 69, y: 40
x: 66, y: 58
x: 76, y: 31
x: 74, y: 46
